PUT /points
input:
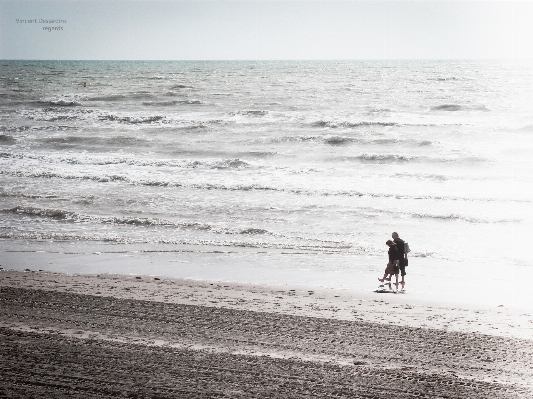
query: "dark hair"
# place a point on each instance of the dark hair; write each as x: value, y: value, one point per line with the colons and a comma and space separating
x: 390, y: 243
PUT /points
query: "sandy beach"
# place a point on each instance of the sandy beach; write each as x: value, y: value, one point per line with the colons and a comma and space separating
x: 145, y: 336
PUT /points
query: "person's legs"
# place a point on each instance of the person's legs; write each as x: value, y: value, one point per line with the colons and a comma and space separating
x: 381, y: 280
x: 403, y: 273
x: 396, y: 267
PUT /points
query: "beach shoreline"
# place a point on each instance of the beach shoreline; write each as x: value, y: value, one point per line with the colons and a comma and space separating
x: 342, y: 304
x: 427, y: 283
x: 318, y: 335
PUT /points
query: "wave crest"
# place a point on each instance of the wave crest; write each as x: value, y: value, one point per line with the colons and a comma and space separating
x: 334, y: 125
x: 244, y: 187
x: 131, y: 119
x: 170, y: 103
x: 66, y: 100
x: 250, y: 112
x: 454, y: 216
x: 382, y: 158
x: 457, y: 107
x: 111, y: 97
x: 125, y: 240
x: 447, y: 107
x: 338, y: 140
x: 133, y: 221
x: 64, y: 103
x: 76, y: 159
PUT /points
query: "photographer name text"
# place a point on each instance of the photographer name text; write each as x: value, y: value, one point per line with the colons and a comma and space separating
x: 37, y: 21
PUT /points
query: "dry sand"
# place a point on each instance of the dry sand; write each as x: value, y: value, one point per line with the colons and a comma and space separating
x: 139, y: 336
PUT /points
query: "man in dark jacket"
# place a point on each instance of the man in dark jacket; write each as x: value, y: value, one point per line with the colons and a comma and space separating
x: 403, y: 256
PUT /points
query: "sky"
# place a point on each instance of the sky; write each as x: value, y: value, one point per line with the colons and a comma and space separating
x: 265, y: 30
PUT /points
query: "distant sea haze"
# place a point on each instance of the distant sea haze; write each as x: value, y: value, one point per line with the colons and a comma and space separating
x: 305, y: 168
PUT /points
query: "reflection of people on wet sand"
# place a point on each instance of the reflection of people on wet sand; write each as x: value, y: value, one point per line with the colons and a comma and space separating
x: 400, y: 244
x: 392, y: 266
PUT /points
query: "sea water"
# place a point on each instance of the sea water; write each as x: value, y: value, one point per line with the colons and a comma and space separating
x: 273, y: 172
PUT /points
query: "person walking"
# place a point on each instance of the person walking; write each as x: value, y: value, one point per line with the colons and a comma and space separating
x: 400, y: 244
x: 392, y: 266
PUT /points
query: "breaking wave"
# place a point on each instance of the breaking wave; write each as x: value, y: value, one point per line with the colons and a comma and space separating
x: 161, y: 103
x: 33, y: 196
x: 99, y: 117
x: 447, y: 107
x: 332, y: 124
x: 453, y: 216
x: 16, y: 129
x: 28, y: 128
x: 131, y: 119
x: 106, y: 178
x: 297, y: 138
x: 66, y: 100
x: 457, y: 107
x: 249, y: 113
x: 56, y: 114
x: 170, y: 103
x: 77, y: 159
x: 338, y: 140
x: 64, y: 103
x: 379, y: 110
x: 261, y: 154
x: 134, y: 221
x: 424, y: 176
x: 373, y: 212
x: 114, y: 239
x: 70, y: 141
x: 395, y: 159
x: 381, y: 158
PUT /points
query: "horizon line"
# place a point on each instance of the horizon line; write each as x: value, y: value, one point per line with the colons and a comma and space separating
x: 274, y: 60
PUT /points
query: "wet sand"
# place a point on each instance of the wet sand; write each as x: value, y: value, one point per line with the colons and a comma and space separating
x: 139, y: 336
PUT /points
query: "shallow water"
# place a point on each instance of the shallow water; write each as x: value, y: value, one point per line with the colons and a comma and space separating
x: 296, y: 172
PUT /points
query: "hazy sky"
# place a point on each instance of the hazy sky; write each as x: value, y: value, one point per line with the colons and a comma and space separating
x: 250, y: 30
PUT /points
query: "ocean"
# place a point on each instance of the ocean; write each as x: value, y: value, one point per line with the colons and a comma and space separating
x: 274, y: 172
